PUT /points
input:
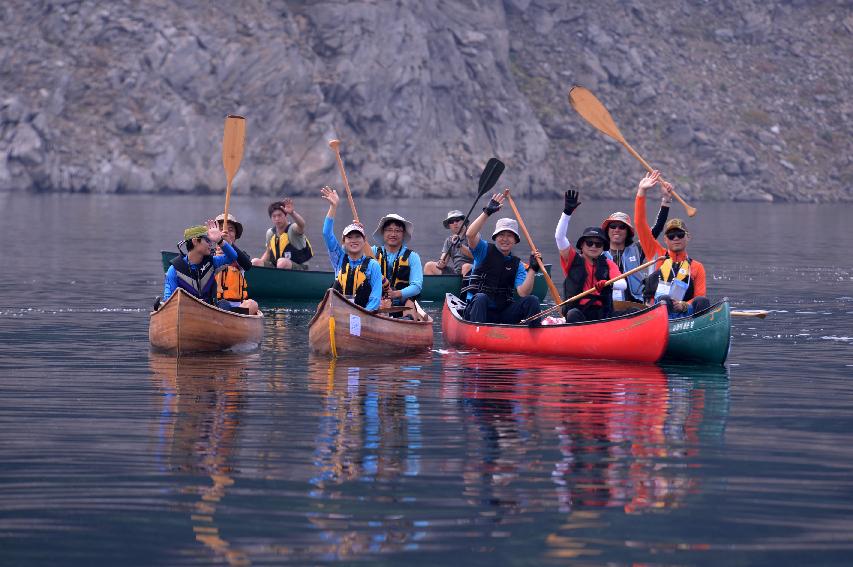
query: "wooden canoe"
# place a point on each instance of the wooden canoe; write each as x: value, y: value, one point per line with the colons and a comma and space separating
x: 637, y: 337
x: 342, y: 328
x: 186, y: 324
x: 703, y: 337
x: 271, y: 284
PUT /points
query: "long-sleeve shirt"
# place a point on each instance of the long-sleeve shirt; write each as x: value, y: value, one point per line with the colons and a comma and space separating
x: 336, y: 256
x: 652, y: 248
x: 416, y: 272
x: 170, y: 284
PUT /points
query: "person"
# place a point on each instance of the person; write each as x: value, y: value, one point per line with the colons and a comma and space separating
x: 357, y: 276
x: 680, y: 278
x: 287, y: 247
x: 497, y: 272
x: 455, y: 255
x: 401, y: 267
x: 232, y: 290
x: 585, y: 267
x: 626, y: 253
x: 194, y: 272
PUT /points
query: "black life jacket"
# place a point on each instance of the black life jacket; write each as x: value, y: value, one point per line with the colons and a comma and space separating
x: 399, y: 272
x: 495, y: 277
x: 199, y: 283
x: 575, y: 279
x: 666, y: 274
x: 354, y: 281
x: 280, y: 245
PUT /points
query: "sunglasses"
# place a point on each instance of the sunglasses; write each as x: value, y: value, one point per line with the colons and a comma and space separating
x: 594, y: 243
x: 618, y: 226
x: 675, y: 235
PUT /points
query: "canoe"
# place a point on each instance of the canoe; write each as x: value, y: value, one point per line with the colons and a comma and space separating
x: 186, y: 324
x: 636, y: 337
x: 703, y: 337
x: 342, y: 328
x: 271, y: 284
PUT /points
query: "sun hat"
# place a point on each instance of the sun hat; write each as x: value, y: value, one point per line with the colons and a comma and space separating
x: 354, y: 227
x: 407, y: 234
x: 453, y: 215
x: 238, y: 228
x: 593, y: 232
x: 195, y: 232
x: 618, y: 217
x: 507, y: 224
x: 675, y: 224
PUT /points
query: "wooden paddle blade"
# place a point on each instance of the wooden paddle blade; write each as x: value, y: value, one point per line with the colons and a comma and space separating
x: 232, y: 144
x: 591, y: 110
x: 491, y: 173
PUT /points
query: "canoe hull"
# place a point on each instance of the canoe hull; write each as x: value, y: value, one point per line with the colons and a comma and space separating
x: 185, y: 324
x: 341, y: 328
x: 704, y: 337
x: 638, y: 337
x: 271, y: 284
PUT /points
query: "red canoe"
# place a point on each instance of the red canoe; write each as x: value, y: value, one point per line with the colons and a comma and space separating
x: 637, y: 337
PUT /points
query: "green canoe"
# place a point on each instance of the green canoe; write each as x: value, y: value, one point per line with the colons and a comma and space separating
x: 702, y: 337
x: 270, y: 284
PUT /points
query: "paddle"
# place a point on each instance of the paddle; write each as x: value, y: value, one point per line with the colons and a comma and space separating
x: 590, y: 291
x: 551, y: 287
x: 591, y: 110
x: 232, y: 155
x: 761, y: 314
x: 335, y: 145
x: 488, y: 179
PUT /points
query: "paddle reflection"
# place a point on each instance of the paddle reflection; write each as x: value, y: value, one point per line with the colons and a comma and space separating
x: 203, y: 398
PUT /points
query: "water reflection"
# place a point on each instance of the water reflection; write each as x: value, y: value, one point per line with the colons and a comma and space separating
x: 203, y: 399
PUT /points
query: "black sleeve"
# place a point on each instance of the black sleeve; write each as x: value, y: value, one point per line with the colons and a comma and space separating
x: 243, y: 259
x: 662, y: 214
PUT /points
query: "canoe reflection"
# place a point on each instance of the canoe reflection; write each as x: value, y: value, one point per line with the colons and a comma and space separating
x: 202, y: 402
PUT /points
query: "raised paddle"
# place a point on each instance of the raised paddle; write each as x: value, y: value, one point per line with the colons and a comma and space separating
x: 335, y: 145
x: 232, y: 155
x: 551, y: 287
x: 488, y: 179
x: 590, y: 291
x: 591, y: 110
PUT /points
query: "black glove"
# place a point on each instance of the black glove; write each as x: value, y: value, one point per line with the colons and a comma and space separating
x: 570, y: 203
x: 533, y: 265
x: 492, y: 207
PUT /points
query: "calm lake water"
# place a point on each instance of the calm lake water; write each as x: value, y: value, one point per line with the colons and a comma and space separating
x: 113, y: 455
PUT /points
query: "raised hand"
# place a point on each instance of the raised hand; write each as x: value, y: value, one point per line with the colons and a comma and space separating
x: 666, y: 190
x: 647, y: 182
x: 213, y: 232
x: 329, y: 195
x: 287, y: 202
x: 494, y: 204
x: 570, y: 201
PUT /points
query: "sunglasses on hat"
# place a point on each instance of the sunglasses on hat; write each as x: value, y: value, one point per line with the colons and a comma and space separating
x: 675, y: 234
x: 594, y: 243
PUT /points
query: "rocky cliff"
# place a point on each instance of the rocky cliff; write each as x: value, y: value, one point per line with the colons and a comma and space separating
x: 731, y: 99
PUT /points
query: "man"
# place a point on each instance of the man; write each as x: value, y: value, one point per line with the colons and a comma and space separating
x: 496, y: 273
x: 357, y: 276
x: 287, y: 247
x: 455, y: 255
x: 401, y: 266
x: 585, y: 267
x: 231, y: 279
x: 626, y: 253
x: 194, y: 272
x: 680, y: 278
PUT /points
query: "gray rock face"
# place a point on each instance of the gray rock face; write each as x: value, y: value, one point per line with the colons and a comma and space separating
x: 131, y: 96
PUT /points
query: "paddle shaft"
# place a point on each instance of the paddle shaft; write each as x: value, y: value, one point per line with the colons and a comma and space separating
x: 590, y: 291
x: 551, y: 287
x: 691, y: 211
x: 335, y: 145
x: 232, y: 154
x: 757, y: 313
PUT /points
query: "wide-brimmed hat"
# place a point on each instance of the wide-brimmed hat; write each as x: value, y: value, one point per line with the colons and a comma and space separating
x: 453, y: 215
x: 593, y: 232
x: 618, y: 217
x: 238, y: 228
x: 195, y: 232
x: 675, y: 224
x: 507, y: 224
x: 407, y: 227
x: 354, y: 227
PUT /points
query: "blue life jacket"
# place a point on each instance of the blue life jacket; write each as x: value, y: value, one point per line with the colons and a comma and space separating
x: 197, y: 282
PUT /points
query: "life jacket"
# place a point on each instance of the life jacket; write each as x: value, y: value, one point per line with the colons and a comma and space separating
x: 666, y: 273
x: 495, y: 277
x: 231, y: 283
x: 353, y: 281
x: 199, y: 283
x: 575, y: 279
x: 399, y: 272
x: 280, y: 246
x: 632, y: 256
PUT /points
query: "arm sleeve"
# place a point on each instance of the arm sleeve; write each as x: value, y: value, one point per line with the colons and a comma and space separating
x: 647, y: 240
x: 479, y: 252
x: 446, y: 247
x: 170, y: 283
x: 560, y: 234
x: 663, y: 213
x: 416, y: 277
x: 520, y: 275
x: 615, y: 273
x: 374, y: 273
x: 228, y: 255
x: 243, y: 259
x: 332, y: 244
x: 698, y: 275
